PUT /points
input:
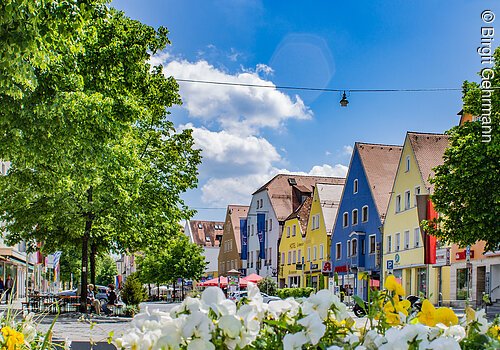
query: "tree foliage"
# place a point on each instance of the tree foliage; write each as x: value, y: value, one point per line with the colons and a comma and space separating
x: 105, y: 269
x: 467, y: 185
x: 178, y: 259
x: 268, y: 285
x: 133, y: 292
x: 93, y: 156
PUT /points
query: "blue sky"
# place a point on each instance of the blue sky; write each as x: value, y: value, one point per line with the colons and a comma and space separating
x: 247, y: 135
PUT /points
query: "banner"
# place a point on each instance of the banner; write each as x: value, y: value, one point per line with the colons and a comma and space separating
x: 244, y: 239
x: 261, y: 226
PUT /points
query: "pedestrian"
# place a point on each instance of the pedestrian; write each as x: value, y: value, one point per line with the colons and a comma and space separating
x: 92, y: 300
x: 9, y: 284
x: 2, y: 289
x: 111, y: 299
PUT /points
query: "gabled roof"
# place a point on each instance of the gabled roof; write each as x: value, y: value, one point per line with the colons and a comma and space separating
x: 380, y: 163
x: 205, y: 233
x: 429, y: 150
x: 237, y: 212
x: 302, y: 214
x: 280, y: 190
x: 329, y: 198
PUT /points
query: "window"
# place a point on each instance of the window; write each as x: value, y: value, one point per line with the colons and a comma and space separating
x: 252, y: 229
x: 407, y: 200
x: 294, y: 230
x: 398, y: 203
x: 338, y: 250
x: 416, y: 238
x: 373, y: 243
x: 417, y: 192
x: 321, y: 251
x: 346, y: 219
x: 315, y: 253
x: 315, y: 222
x: 282, y: 258
x: 364, y: 214
x: 270, y: 256
x: 270, y: 224
x: 354, y: 246
x: 398, y: 241
x: 299, y: 256
x: 355, y: 217
x: 348, y: 248
x: 407, y: 163
x: 294, y: 255
x: 222, y: 264
x: 407, y: 239
x: 389, y: 244
x: 355, y: 186
x: 289, y: 258
x: 266, y: 227
x: 288, y: 231
x: 308, y: 253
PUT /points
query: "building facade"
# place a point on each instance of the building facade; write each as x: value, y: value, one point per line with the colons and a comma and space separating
x: 325, y: 204
x: 408, y: 252
x: 291, y: 247
x: 230, y: 247
x: 271, y: 204
x: 356, y: 240
x: 207, y: 234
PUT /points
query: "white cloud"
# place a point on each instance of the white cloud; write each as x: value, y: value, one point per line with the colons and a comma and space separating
x: 263, y: 68
x: 347, y: 150
x: 241, y: 110
x: 338, y: 170
x: 232, y: 153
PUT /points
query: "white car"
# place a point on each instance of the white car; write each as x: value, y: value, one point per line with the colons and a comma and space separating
x: 243, y: 294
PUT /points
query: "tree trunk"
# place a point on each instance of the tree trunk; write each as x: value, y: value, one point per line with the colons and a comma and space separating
x: 93, y: 253
x: 85, y: 252
x: 173, y: 292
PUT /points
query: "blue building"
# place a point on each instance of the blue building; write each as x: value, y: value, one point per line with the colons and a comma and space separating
x: 356, y: 239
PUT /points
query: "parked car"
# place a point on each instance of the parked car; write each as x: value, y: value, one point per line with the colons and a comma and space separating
x: 243, y: 294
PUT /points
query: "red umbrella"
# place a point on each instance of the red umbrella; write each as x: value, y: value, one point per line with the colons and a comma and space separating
x: 254, y: 278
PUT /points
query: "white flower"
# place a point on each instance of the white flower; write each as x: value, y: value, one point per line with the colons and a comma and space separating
x: 211, y: 297
x: 294, y: 341
x: 443, y: 343
x: 457, y: 332
x: 373, y: 340
x: 334, y: 347
x: 230, y: 325
x: 170, y: 336
x: 321, y: 303
x: 315, y: 328
x: 482, y: 321
x: 200, y: 344
x: 197, y: 325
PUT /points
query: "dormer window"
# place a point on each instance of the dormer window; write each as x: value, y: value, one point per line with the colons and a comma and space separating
x: 355, y: 186
x: 200, y: 226
x: 207, y: 239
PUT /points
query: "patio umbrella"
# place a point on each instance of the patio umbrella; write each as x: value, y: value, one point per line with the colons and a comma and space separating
x: 254, y: 278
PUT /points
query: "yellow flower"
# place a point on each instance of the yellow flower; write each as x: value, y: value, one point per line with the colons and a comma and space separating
x: 446, y: 316
x: 427, y: 315
x: 470, y: 314
x: 392, y: 309
x: 495, y: 331
x: 392, y: 285
x: 13, y: 339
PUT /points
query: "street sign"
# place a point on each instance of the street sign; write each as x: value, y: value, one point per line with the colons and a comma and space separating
x: 397, y: 258
x: 467, y: 253
x: 390, y: 264
x: 298, y: 266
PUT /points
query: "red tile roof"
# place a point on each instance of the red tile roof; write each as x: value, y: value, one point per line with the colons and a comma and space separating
x: 205, y: 232
x: 281, y: 190
x: 380, y: 163
x: 429, y: 150
x: 302, y: 214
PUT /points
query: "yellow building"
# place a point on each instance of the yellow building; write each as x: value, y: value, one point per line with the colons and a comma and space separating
x: 325, y: 204
x: 291, y: 246
x: 405, y: 245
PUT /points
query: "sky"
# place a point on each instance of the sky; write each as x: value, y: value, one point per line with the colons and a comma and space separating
x: 247, y: 134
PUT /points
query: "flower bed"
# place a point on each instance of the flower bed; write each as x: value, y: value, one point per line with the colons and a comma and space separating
x: 320, y: 321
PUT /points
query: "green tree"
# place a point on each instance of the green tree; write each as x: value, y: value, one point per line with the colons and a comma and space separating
x: 467, y: 185
x: 70, y: 265
x: 105, y: 270
x: 93, y: 156
x: 33, y: 35
x: 268, y: 285
x: 133, y: 291
x: 178, y: 259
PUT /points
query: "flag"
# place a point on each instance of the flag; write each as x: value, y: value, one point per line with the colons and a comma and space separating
x: 261, y: 233
x: 244, y: 239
